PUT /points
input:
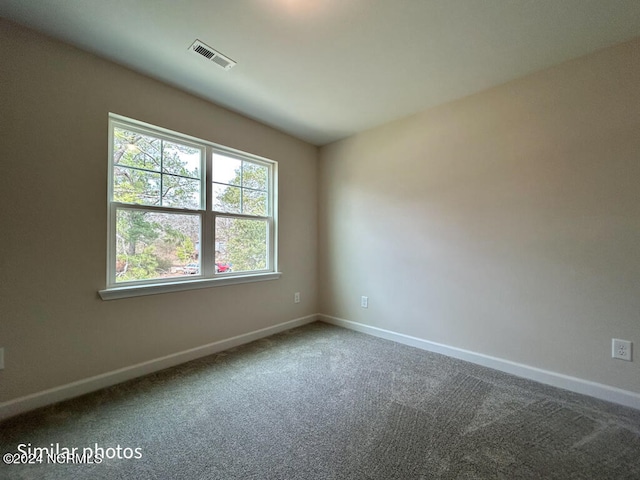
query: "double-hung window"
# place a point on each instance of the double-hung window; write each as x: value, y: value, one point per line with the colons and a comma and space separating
x: 185, y: 213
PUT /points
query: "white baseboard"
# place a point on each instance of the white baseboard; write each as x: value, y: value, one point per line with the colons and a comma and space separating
x: 87, y: 385
x: 585, y: 387
x: 80, y: 387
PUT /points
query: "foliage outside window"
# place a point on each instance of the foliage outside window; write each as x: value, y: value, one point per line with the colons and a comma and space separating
x: 182, y: 209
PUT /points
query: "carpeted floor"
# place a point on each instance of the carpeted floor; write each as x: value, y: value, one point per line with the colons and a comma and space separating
x: 321, y: 402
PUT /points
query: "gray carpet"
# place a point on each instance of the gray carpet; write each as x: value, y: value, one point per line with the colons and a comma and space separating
x: 321, y: 402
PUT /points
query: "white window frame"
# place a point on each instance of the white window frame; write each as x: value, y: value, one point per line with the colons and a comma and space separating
x: 207, y: 276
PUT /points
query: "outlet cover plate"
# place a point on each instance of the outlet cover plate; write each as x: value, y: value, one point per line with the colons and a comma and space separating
x: 296, y: 297
x: 621, y: 349
x: 364, y: 302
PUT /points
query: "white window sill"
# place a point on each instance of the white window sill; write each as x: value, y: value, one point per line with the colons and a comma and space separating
x: 157, y: 288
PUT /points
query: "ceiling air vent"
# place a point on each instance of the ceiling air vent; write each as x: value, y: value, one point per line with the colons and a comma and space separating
x: 210, y: 54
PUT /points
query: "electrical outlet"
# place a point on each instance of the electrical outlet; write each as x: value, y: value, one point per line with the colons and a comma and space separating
x: 1, y: 358
x: 296, y: 297
x: 621, y: 349
x: 364, y: 302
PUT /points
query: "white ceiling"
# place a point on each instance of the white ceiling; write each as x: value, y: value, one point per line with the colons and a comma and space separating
x: 322, y: 70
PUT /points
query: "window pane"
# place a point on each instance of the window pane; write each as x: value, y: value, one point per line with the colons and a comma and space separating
x: 136, y: 150
x: 226, y: 199
x: 180, y: 192
x: 136, y: 186
x: 227, y: 170
x: 254, y: 202
x: 241, y: 244
x: 153, y: 245
x: 255, y: 176
x: 181, y: 160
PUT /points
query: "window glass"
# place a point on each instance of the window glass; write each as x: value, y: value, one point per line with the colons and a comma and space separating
x: 242, y: 243
x: 152, y: 245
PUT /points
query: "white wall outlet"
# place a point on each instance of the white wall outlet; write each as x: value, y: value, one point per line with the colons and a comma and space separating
x: 1, y: 358
x: 364, y: 302
x: 621, y: 349
x: 296, y: 297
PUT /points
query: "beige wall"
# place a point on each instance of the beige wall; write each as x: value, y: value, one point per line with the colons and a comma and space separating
x: 506, y: 223
x: 54, y: 102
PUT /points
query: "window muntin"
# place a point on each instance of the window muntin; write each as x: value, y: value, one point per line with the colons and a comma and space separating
x: 162, y: 227
x: 240, y: 186
x: 151, y: 170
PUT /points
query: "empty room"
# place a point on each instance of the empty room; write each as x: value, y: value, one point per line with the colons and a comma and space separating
x: 320, y: 239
